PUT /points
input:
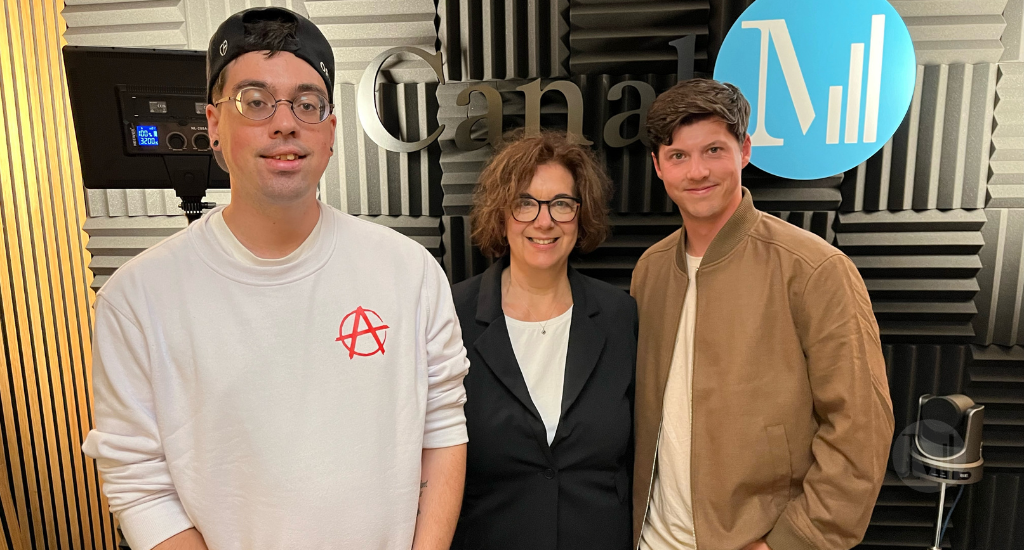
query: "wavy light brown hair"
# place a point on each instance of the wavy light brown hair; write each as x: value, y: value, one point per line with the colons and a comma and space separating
x: 510, y: 172
x: 695, y: 100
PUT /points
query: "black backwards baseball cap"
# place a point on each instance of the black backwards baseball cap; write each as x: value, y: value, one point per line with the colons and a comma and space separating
x: 308, y: 44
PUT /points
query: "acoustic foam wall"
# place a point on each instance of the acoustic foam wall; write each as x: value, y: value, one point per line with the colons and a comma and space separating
x: 461, y: 169
x: 115, y: 240
x: 954, y: 31
x: 614, y: 259
x: 365, y: 178
x: 461, y: 259
x: 503, y: 39
x: 722, y: 15
x: 819, y: 223
x: 1013, y: 34
x: 425, y: 230
x: 920, y: 269
x: 139, y: 24
x: 992, y: 516
x: 939, y: 156
x: 359, y: 30
x: 774, y: 193
x: 996, y: 380
x: 636, y: 186
x: 997, y: 518
x: 1000, y: 319
x: 1006, y: 173
x: 203, y: 16
x: 916, y: 369
x: 618, y: 37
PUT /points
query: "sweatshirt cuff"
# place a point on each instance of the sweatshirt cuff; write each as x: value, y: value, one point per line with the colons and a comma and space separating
x: 149, y: 524
x: 446, y: 437
x: 785, y: 537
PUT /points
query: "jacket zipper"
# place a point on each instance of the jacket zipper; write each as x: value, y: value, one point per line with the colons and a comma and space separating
x: 693, y: 502
x: 657, y: 443
x: 650, y: 485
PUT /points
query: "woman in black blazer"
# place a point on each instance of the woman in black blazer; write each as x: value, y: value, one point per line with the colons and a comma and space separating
x: 552, y: 356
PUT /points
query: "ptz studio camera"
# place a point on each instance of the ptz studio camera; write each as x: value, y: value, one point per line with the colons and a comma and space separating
x: 947, y: 445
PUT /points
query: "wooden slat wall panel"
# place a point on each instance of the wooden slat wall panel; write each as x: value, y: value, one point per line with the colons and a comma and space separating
x: 45, y: 318
x: 10, y: 530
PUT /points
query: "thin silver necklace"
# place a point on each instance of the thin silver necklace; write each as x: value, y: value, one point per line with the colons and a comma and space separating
x: 543, y: 324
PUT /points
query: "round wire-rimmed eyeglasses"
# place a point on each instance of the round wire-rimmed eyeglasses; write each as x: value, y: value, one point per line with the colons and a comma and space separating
x: 259, y: 104
x: 561, y: 209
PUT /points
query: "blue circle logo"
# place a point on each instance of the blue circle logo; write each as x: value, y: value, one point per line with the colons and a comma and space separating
x: 828, y: 82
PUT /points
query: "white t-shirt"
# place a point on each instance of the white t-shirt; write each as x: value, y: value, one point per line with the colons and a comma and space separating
x: 540, y: 349
x: 669, y: 522
x: 233, y: 246
x: 257, y: 403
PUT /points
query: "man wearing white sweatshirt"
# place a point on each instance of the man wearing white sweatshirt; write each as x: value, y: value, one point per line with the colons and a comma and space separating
x: 280, y: 374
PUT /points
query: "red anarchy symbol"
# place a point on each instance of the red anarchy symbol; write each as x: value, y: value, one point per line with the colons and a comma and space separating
x: 351, y: 339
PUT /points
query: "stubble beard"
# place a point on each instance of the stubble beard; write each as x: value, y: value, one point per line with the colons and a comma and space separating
x: 277, y: 189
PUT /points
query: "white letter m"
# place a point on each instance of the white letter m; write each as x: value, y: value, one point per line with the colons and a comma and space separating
x: 776, y: 29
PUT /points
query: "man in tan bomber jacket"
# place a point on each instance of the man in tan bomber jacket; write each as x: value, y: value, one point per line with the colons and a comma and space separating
x: 763, y: 418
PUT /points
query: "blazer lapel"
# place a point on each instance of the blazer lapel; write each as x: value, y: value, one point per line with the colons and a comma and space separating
x: 586, y: 342
x: 494, y: 345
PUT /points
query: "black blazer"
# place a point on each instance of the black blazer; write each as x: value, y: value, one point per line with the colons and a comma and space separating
x: 520, y: 492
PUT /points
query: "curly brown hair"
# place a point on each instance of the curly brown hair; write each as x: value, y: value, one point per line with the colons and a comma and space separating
x: 510, y: 172
x: 694, y: 100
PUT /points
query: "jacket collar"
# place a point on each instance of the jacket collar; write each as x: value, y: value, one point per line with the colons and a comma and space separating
x: 586, y: 342
x: 731, y: 234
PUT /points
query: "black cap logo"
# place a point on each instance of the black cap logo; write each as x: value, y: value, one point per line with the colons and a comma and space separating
x: 223, y: 48
x: 324, y: 69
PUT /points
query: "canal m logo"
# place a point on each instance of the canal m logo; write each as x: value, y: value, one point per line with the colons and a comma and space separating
x: 828, y: 82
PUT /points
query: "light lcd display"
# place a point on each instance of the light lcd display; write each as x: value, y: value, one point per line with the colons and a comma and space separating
x: 147, y: 136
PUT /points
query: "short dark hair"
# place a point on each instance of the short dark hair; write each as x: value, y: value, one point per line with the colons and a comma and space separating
x: 510, y: 172
x: 695, y: 100
x: 270, y: 34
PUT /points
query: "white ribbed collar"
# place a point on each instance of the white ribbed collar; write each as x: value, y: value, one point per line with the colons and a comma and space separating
x: 204, y: 240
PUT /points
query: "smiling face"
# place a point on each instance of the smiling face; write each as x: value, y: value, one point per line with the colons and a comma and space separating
x: 280, y: 159
x: 544, y: 243
x: 701, y: 170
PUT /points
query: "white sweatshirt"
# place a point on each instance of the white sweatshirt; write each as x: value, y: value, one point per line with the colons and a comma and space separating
x: 245, y: 401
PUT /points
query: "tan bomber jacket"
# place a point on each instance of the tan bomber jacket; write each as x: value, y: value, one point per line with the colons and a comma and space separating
x: 791, y: 415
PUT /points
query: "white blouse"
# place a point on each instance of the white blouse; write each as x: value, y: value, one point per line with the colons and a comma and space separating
x: 540, y: 348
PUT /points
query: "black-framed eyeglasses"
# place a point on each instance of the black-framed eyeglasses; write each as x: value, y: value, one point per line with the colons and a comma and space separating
x: 561, y: 209
x: 259, y: 104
